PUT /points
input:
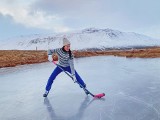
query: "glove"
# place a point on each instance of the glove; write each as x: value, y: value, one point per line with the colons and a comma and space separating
x: 50, y: 58
x: 74, y: 78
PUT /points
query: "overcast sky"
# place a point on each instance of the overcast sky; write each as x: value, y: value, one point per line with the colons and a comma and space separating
x: 23, y: 17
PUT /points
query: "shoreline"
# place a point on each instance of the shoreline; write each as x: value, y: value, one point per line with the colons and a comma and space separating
x: 12, y: 58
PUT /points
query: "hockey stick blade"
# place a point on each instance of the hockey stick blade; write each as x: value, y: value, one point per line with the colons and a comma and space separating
x: 99, y: 95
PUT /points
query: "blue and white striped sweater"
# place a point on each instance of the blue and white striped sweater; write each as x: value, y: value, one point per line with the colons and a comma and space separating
x: 63, y: 56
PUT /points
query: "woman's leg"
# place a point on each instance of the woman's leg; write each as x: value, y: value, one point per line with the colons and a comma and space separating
x: 56, y: 71
x: 79, y: 79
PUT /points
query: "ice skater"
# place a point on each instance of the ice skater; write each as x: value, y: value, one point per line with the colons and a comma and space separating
x: 65, y: 57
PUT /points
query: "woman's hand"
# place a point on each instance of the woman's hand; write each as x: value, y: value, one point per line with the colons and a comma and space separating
x: 50, y: 58
x: 74, y: 78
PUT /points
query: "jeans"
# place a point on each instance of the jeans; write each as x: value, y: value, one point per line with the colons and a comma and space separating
x: 56, y: 71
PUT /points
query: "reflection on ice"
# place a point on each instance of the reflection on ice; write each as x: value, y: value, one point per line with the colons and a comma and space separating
x: 78, y: 116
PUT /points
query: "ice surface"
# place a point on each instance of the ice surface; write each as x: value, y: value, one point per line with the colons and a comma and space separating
x: 132, y: 88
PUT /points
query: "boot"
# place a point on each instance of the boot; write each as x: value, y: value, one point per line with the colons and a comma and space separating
x: 45, y: 94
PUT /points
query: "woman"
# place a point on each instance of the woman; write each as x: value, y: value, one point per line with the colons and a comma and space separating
x: 64, y: 56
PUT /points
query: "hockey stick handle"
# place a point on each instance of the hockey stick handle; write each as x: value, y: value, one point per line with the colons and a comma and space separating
x: 62, y: 69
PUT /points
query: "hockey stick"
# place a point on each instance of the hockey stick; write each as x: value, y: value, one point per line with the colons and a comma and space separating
x: 95, y: 96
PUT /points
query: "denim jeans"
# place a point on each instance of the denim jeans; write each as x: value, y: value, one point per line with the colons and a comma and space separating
x: 56, y: 71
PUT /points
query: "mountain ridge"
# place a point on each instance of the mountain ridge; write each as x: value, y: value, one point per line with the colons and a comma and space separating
x: 80, y: 40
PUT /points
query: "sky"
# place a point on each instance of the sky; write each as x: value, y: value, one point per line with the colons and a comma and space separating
x: 26, y: 17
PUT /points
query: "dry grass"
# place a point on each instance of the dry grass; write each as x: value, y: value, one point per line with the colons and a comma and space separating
x: 11, y: 58
x: 139, y: 53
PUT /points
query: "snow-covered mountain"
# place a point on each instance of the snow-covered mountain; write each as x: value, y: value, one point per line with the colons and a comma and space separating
x: 86, y: 39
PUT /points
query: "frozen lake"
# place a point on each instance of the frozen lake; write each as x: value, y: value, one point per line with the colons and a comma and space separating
x: 132, y: 88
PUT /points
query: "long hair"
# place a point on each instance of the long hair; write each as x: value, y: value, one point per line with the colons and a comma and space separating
x: 70, y: 52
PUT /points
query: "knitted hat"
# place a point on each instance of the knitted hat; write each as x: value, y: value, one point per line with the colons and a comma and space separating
x: 65, y: 41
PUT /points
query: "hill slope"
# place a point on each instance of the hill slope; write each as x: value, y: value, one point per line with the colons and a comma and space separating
x: 91, y: 38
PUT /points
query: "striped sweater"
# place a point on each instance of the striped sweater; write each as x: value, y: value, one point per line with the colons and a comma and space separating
x: 63, y: 56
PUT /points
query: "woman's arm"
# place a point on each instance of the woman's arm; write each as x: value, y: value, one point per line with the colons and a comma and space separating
x: 52, y: 51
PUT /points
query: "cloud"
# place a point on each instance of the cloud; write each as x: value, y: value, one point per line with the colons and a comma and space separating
x: 36, y: 19
x: 66, y: 15
x: 82, y: 13
x: 65, y: 6
x: 11, y: 29
x: 69, y: 8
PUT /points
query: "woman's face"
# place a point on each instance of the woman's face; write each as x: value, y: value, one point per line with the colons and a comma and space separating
x: 67, y: 47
